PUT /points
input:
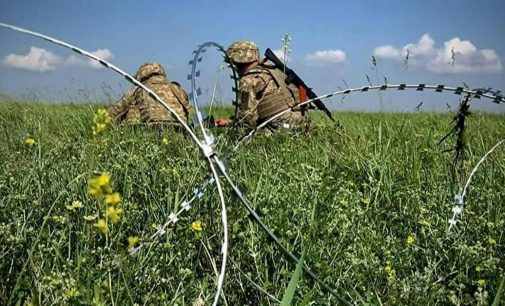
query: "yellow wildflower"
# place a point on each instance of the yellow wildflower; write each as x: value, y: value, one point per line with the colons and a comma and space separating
x: 103, y: 179
x: 113, y: 199
x: 411, y: 239
x: 164, y: 141
x: 133, y: 241
x: 481, y: 282
x: 95, y: 192
x: 114, y: 214
x: 99, y: 185
x: 390, y: 271
x: 197, y: 226
x: 101, y: 225
x: 102, y: 120
x: 102, y: 116
x: 29, y: 141
x: 100, y: 127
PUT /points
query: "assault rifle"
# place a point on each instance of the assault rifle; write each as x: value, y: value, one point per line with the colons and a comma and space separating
x: 305, y: 91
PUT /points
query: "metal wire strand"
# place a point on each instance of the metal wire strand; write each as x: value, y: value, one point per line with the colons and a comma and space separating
x: 194, y: 86
x: 460, y: 198
x: 269, y: 232
x: 244, y: 201
x: 224, y: 220
x: 106, y: 64
x: 205, y: 148
x: 419, y: 87
x: 478, y: 165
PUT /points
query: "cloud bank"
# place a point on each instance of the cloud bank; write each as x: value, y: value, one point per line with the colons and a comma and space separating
x: 455, y: 56
x: 36, y: 59
x: 41, y: 60
x: 326, y: 57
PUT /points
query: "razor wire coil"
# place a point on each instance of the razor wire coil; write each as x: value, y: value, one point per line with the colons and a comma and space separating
x: 206, y: 145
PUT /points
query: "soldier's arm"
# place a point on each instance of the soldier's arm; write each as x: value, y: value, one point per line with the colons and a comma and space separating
x: 187, y: 105
x: 249, y: 90
x: 118, y: 110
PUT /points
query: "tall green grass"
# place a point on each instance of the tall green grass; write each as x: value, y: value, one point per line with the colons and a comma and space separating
x: 351, y: 195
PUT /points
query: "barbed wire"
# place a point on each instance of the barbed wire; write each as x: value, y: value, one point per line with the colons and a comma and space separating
x: 185, y: 206
x: 459, y: 199
x: 476, y: 94
x: 206, y: 147
x: 209, y: 140
x: 363, y: 89
x: 221, y: 166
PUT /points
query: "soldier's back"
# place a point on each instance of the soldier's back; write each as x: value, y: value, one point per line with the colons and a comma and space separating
x: 151, y: 111
x: 275, y: 96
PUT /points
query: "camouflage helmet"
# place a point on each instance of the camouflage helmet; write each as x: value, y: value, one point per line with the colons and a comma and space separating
x: 149, y: 69
x: 243, y: 52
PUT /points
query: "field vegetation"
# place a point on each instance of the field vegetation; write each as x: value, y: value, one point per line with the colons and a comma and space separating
x: 367, y: 202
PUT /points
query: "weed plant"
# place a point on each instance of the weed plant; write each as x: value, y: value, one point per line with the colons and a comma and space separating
x: 368, y: 203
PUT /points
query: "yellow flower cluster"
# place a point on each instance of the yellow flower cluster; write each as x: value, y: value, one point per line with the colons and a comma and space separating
x: 133, y: 241
x: 197, y: 226
x: 102, y: 226
x: 99, y: 187
x: 390, y: 272
x: 29, y: 141
x: 411, y: 239
x: 101, y: 121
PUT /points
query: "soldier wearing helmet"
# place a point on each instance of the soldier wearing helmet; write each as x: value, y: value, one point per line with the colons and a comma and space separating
x: 263, y: 91
x: 136, y: 106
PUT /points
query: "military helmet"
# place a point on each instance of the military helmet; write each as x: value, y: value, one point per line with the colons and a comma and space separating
x: 243, y: 52
x: 149, y: 69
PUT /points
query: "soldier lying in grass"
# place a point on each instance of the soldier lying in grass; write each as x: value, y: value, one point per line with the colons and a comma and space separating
x: 263, y: 90
x: 136, y: 106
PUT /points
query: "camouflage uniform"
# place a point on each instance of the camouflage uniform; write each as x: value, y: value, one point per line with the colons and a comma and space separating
x: 136, y: 106
x: 263, y: 91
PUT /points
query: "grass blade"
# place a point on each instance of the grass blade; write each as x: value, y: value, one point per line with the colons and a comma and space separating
x: 289, y: 294
x: 497, y: 298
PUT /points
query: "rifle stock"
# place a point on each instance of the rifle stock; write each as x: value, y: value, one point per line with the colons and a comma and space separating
x: 293, y: 78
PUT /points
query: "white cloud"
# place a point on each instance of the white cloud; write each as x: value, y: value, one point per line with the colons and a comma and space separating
x: 386, y: 52
x: 104, y: 54
x: 36, y: 59
x: 424, y: 47
x: 467, y: 58
x: 326, y: 57
x: 456, y: 56
x: 41, y: 60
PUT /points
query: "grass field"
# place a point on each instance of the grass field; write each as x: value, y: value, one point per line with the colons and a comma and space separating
x: 368, y: 203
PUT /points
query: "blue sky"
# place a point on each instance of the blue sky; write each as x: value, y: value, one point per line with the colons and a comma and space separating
x: 331, y: 41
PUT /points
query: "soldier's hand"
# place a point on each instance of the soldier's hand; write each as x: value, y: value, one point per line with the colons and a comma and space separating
x: 222, y: 122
